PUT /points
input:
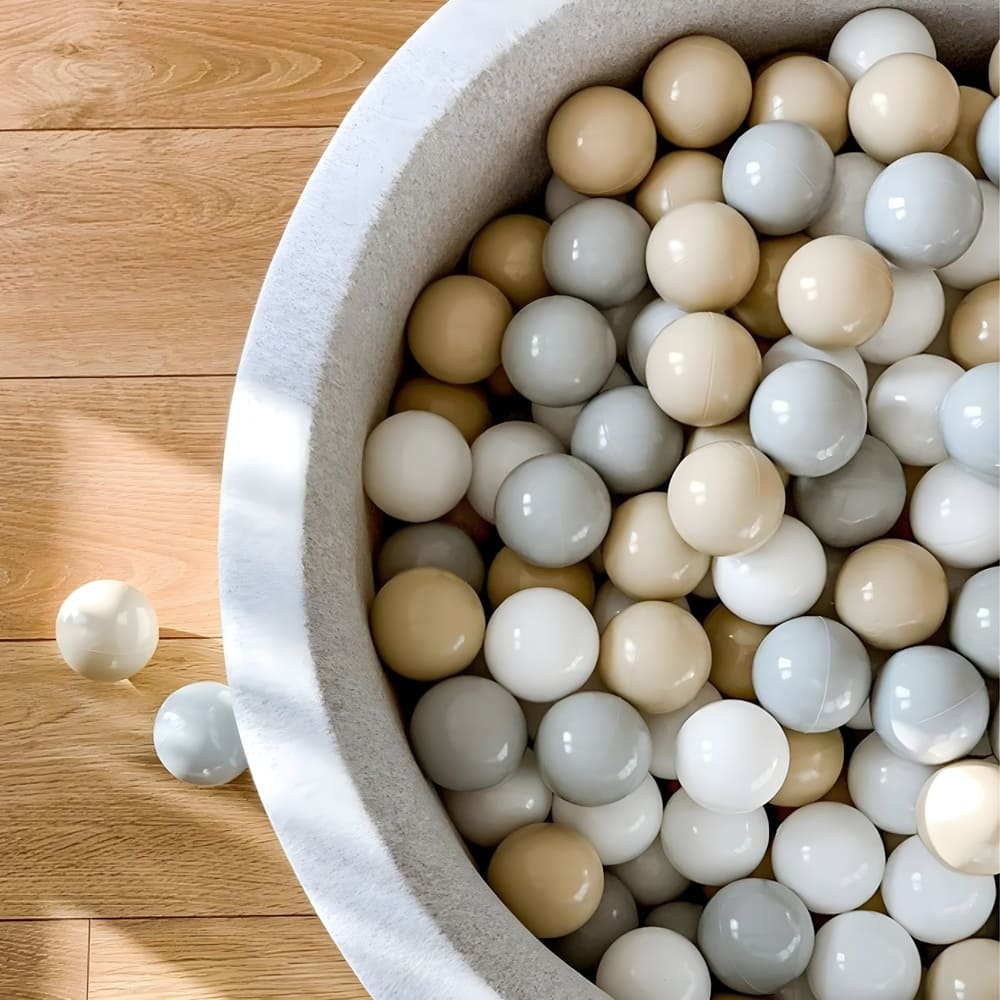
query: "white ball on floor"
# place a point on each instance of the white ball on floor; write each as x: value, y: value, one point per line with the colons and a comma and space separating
x: 106, y: 630
x: 650, y: 963
x: 195, y: 735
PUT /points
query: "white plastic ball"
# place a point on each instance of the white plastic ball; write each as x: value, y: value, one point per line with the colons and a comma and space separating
x: 195, y: 735
x: 619, y: 831
x: 874, y: 34
x: 664, y: 729
x: 830, y: 855
x: 732, y: 757
x: 651, y: 878
x: 970, y: 420
x: 106, y: 630
x: 847, y: 359
x: 981, y: 262
x: 782, y: 579
x: 934, y: 903
x: 914, y: 319
x: 975, y: 622
x: 651, y: 963
x: 559, y: 197
x: 988, y: 142
x: 844, y: 212
x: 541, y: 644
x: 710, y: 847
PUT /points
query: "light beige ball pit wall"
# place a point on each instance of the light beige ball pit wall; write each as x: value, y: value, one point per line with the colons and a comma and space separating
x: 448, y: 135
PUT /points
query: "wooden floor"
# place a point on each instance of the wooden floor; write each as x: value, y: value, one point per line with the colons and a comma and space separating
x: 150, y: 152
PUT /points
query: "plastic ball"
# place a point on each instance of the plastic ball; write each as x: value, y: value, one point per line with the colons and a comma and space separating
x: 507, y: 252
x: 780, y: 580
x: 778, y: 175
x: 932, y: 902
x: 509, y: 574
x: 847, y: 359
x: 981, y: 262
x: 756, y: 935
x: 929, y: 704
x: 651, y: 878
x: 965, y: 971
x: 435, y: 544
x: 652, y: 962
x: 732, y: 757
x: 875, y: 34
x: 553, y: 510
x: 620, y: 318
x: 988, y: 141
x: 973, y: 103
x: 974, y: 332
x: 734, y: 643
x: 664, y: 727
x: 975, y: 621
x: 620, y: 830
x: 678, y: 916
x: 593, y: 748
x: 609, y: 603
x: 615, y: 915
x: 865, y: 956
x: 106, y: 630
x: 969, y: 416
x: 923, y: 210
x: 844, y: 211
x: 560, y: 197
x: 463, y: 405
x: 758, y: 309
x: 815, y: 763
x: 595, y: 251
x: 679, y: 178
x: 561, y: 420
x: 914, y: 320
x: 646, y: 327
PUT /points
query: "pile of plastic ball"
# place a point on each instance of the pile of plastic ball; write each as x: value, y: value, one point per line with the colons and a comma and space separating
x: 693, y: 522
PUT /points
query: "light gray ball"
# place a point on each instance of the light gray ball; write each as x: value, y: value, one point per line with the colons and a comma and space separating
x: 628, y: 440
x: 756, y: 935
x: 779, y: 175
x: 651, y: 321
x: 975, y: 620
x: 561, y: 420
x: 593, y: 748
x: 929, y: 704
x: 677, y: 916
x: 596, y: 250
x: 923, y: 209
x: 620, y: 318
x: 616, y: 915
x: 812, y: 674
x: 553, y: 510
x: 558, y: 351
x: 809, y: 416
x: 859, y: 502
x: 970, y: 420
x: 444, y: 546
x: 988, y: 142
x: 467, y: 733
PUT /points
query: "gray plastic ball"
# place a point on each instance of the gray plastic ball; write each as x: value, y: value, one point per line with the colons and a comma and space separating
x: 988, y: 142
x: 444, y: 546
x: 677, y: 916
x: 616, y: 915
x: 809, y: 416
x: 975, y: 620
x: 970, y: 420
x: 756, y: 935
x: 593, y: 748
x: 628, y: 440
x: 561, y: 420
x: 923, y: 209
x: 812, y: 674
x: 929, y: 704
x: 558, y: 351
x: 597, y: 251
x: 553, y: 510
x: 651, y: 321
x: 859, y: 502
x: 779, y: 175
x: 468, y: 733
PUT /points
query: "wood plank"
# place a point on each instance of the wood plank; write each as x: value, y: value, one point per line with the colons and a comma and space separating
x: 133, y: 63
x: 251, y: 959
x: 110, y: 478
x: 43, y: 959
x: 140, y: 253
x: 93, y: 825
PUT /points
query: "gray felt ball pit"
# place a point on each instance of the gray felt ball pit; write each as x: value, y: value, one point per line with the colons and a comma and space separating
x: 448, y: 135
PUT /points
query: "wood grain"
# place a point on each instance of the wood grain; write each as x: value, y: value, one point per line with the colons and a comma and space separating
x: 250, y: 959
x: 43, y: 959
x: 140, y: 253
x: 94, y: 826
x: 110, y: 478
x: 74, y: 64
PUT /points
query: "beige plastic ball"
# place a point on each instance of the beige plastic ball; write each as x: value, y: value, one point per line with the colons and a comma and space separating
x: 734, y: 643
x: 679, y: 178
x: 507, y: 252
x: 106, y: 630
x: 971, y: 108
x: 974, y: 333
x: 465, y: 406
x: 758, y: 309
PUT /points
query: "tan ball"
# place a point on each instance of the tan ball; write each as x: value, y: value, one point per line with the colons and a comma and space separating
x: 703, y: 369
x: 654, y: 655
x: 965, y: 971
x: 702, y: 257
x: 726, y: 499
x: 507, y: 252
x: 601, y: 141
x: 463, y: 405
x: 815, y: 763
x: 737, y: 430
x: 549, y: 877
x: 758, y: 309
x: 427, y: 624
x: 734, y: 643
x: 974, y: 334
x: 803, y: 89
x: 958, y: 816
x: 456, y: 326
x: 835, y: 292
x: 698, y: 91
x: 645, y: 557
x: 464, y: 516
x: 891, y: 593
x: 677, y: 179
x: 905, y: 103
x: 972, y: 105
x: 509, y: 574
